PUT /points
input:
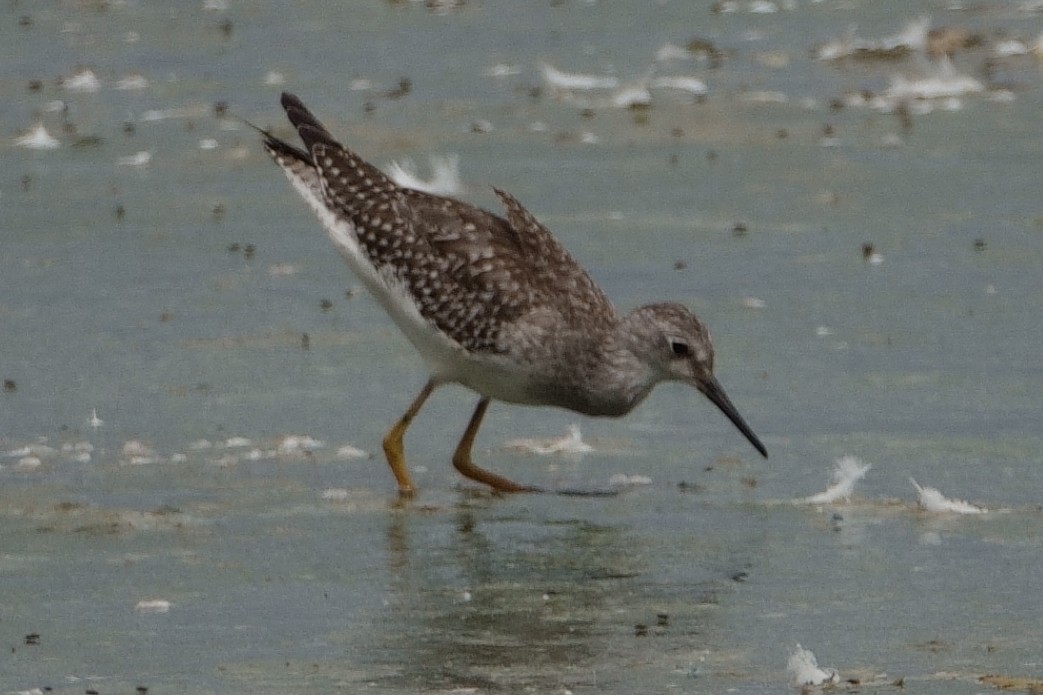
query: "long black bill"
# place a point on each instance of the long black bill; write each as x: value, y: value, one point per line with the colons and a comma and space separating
x: 711, y: 388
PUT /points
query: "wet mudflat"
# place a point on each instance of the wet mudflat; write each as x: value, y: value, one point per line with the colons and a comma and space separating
x: 192, y: 494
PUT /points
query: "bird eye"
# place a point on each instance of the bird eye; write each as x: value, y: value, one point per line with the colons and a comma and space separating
x: 679, y: 349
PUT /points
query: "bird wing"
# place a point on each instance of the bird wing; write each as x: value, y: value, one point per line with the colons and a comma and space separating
x: 468, y: 271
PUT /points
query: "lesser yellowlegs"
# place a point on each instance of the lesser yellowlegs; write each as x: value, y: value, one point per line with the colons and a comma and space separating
x: 493, y: 303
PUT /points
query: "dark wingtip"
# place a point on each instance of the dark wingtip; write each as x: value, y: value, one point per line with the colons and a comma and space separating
x: 309, y: 128
x: 275, y: 146
x: 290, y: 100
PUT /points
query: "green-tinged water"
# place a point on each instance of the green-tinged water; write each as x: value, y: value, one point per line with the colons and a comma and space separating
x: 206, y: 533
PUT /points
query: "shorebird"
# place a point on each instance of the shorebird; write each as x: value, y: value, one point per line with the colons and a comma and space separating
x: 494, y: 303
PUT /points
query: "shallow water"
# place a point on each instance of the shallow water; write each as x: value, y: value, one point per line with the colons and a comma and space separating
x: 287, y: 566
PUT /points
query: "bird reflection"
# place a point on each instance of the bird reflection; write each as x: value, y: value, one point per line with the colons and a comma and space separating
x: 497, y: 599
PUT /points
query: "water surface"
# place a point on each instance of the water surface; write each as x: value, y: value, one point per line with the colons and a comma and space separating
x: 172, y: 299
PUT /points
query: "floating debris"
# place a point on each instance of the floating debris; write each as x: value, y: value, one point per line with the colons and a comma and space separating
x: 692, y: 85
x: 78, y: 452
x: 335, y: 494
x: 940, y: 80
x: 29, y: 462
x: 153, y: 606
x: 848, y: 471
x: 37, y: 139
x: 273, y: 78
x: 160, y: 115
x: 932, y: 500
x: 561, y: 81
x: 803, y: 666
x: 753, y: 303
x: 633, y: 94
x: 624, y: 480
x: 1021, y: 684
x: 83, y: 80
x: 445, y: 175
x: 945, y: 41
x: 829, y: 137
x: 138, y: 453
x: 502, y: 70
x: 19, y: 452
x: 138, y: 159
x: 295, y: 445
x: 670, y: 52
x: 571, y: 443
x: 762, y: 7
x: 870, y: 255
x: 132, y: 82
x: 704, y: 49
x: 348, y: 452
x: 912, y: 37
x: 193, y: 111
x: 404, y: 87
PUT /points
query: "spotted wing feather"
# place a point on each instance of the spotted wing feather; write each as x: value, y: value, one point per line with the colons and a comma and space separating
x: 468, y: 271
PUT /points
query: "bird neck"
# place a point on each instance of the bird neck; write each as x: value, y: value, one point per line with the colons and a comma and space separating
x: 617, y: 378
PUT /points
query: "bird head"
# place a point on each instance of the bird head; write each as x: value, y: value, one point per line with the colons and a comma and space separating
x: 676, y: 345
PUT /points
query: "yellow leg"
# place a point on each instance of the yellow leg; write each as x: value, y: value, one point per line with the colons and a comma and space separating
x: 393, y: 448
x: 462, y: 457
